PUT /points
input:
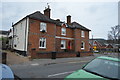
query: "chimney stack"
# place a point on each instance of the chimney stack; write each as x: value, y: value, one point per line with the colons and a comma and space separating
x: 69, y: 19
x: 47, y: 11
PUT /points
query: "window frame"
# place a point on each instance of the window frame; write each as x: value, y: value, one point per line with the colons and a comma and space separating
x: 64, y: 44
x: 43, y: 26
x: 62, y: 31
x: 83, y: 45
x: 82, y: 33
x: 41, y: 40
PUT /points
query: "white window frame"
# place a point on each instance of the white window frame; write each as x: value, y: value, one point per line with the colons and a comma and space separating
x: 82, y: 33
x: 41, y: 40
x: 43, y: 26
x: 63, y: 31
x: 83, y: 45
x: 64, y: 44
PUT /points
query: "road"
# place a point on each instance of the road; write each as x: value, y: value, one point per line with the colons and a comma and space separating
x: 60, y: 70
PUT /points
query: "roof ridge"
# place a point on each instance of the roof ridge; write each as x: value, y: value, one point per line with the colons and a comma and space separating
x: 80, y: 26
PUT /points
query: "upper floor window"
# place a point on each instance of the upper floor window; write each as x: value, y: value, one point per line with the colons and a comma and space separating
x: 43, y: 26
x: 63, y: 44
x: 63, y: 31
x: 82, y: 34
x: 42, y: 43
x: 82, y: 45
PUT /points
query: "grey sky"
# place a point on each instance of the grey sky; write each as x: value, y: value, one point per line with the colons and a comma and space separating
x: 97, y: 16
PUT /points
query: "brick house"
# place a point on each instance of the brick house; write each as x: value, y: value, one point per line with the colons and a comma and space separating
x: 100, y: 45
x: 37, y: 35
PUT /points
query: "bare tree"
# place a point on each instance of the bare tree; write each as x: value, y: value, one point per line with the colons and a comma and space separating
x: 114, y: 34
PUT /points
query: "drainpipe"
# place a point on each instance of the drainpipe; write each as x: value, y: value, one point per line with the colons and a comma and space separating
x: 13, y: 36
x: 25, y: 38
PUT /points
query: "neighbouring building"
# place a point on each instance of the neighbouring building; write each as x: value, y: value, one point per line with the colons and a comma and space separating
x: 3, y: 39
x: 37, y: 35
x: 100, y: 45
x: 3, y: 33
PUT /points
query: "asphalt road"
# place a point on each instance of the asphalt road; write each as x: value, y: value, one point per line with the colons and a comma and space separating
x: 60, y: 70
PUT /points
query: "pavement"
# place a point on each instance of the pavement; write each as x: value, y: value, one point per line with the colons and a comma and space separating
x: 15, y: 59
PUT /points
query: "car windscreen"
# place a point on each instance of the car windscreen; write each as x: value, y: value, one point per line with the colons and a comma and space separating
x: 105, y: 68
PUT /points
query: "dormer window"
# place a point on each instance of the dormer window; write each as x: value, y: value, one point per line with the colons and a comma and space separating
x: 43, y: 27
x: 63, y: 31
x: 82, y: 34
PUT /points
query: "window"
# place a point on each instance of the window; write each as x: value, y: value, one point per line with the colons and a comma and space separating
x: 43, y: 26
x: 82, y: 34
x: 63, y: 31
x: 82, y: 45
x: 42, y: 43
x: 63, y: 44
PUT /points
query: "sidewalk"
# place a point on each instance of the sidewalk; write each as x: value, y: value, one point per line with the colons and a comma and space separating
x: 55, y: 61
x: 15, y: 59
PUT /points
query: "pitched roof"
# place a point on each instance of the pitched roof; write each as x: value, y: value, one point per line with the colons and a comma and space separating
x: 4, y: 32
x: 101, y: 41
x: 77, y: 25
x: 39, y: 16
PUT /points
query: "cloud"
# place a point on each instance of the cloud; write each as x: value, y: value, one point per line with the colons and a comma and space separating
x: 97, y: 16
x: 60, y: 0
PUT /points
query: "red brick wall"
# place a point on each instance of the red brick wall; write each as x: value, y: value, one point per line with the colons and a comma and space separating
x: 58, y: 55
x: 77, y: 40
x: 86, y: 40
x: 35, y: 35
x: 54, y: 44
x: 69, y: 32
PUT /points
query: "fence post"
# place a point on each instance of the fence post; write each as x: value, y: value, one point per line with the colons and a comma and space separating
x: 4, y: 58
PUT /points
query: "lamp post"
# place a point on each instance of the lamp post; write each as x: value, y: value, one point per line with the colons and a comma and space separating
x: 92, y: 44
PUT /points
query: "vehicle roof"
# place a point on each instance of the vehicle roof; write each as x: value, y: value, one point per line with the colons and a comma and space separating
x: 109, y: 58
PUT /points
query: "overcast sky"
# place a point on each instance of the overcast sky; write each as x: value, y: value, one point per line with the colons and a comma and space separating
x: 96, y: 16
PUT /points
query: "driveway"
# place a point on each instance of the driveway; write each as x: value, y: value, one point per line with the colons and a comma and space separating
x: 14, y: 58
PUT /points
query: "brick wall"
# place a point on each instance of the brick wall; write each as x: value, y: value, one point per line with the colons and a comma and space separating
x: 36, y: 54
x: 35, y: 34
x: 52, y: 43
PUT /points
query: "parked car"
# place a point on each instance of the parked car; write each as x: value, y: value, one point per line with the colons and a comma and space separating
x: 6, y: 72
x: 96, y: 51
x: 102, y: 68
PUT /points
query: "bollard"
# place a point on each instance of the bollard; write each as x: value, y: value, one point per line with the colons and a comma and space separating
x: 78, y: 54
x: 4, y: 57
x: 53, y: 55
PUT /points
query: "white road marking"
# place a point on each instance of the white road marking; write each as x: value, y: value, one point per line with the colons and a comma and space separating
x: 35, y: 64
x: 60, y: 73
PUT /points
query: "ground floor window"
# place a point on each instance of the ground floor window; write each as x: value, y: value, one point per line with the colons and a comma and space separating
x: 82, y: 45
x: 63, y: 44
x: 42, y: 43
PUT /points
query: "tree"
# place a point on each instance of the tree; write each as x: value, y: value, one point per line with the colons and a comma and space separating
x: 114, y: 34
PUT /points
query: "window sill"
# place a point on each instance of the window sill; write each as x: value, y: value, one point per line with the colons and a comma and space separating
x: 63, y: 48
x: 43, y: 30
x: 82, y: 48
x: 63, y: 34
x: 42, y: 47
x: 83, y: 36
